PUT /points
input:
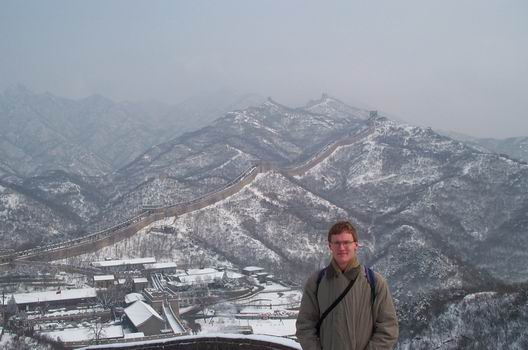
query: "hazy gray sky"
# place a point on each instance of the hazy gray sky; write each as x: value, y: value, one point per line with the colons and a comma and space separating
x: 457, y: 65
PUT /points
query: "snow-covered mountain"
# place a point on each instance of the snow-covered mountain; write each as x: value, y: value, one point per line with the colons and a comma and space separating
x: 94, y: 135
x: 28, y: 219
x: 492, y: 319
x: 515, y: 147
x: 444, y: 222
x: 414, y: 181
x: 208, y: 159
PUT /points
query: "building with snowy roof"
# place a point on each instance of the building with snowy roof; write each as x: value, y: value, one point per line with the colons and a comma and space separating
x: 157, y: 298
x: 165, y: 267
x: 133, y: 297
x: 194, y: 277
x: 140, y: 283
x: 123, y: 265
x: 58, y: 298
x: 103, y: 281
x: 252, y: 270
x: 143, y: 318
x: 262, y: 277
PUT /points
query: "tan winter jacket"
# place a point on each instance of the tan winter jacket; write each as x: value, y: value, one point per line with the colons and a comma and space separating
x: 349, y: 325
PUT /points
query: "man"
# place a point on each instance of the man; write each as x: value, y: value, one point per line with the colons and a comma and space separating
x: 354, y: 323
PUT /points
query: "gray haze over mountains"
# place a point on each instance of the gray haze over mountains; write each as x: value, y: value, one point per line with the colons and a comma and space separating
x: 452, y: 65
x: 446, y: 222
x: 94, y: 136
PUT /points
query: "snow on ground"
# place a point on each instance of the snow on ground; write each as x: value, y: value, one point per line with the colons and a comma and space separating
x: 65, y: 312
x: 179, y: 248
x: 277, y: 327
x: 5, y: 339
x: 12, y: 201
x: 278, y: 303
x: 248, y: 118
x: 267, y: 312
x: 84, y: 333
x: 12, y: 341
x: 274, y: 287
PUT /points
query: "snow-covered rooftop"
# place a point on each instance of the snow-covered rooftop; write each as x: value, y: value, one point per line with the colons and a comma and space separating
x: 139, y: 312
x: 165, y: 265
x: 134, y: 335
x: 103, y: 278
x: 205, y: 271
x: 112, y: 263
x: 204, y: 275
x: 204, y: 278
x: 198, y: 279
x: 132, y: 297
x: 84, y: 333
x: 252, y: 268
x: 40, y: 297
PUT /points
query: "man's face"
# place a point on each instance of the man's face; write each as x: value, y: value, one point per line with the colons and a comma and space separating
x: 343, y: 248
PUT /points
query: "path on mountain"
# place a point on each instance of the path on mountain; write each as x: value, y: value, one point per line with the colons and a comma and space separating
x: 126, y: 229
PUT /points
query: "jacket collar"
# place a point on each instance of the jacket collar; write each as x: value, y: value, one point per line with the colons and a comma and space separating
x: 351, y: 272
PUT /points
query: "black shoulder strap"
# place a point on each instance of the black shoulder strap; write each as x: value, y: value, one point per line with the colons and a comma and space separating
x: 319, y: 278
x: 371, y: 278
x: 334, y: 304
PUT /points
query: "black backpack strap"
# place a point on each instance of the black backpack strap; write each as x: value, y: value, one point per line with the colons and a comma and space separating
x: 319, y: 278
x: 371, y: 279
x: 334, y: 304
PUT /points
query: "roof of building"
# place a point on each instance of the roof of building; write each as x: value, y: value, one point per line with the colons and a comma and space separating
x: 132, y: 297
x: 253, y: 268
x: 113, y: 263
x: 164, y: 265
x: 204, y: 271
x: 134, y: 335
x: 140, y: 280
x: 204, y: 277
x: 139, y: 312
x: 55, y: 295
x: 198, y: 279
x: 103, y: 278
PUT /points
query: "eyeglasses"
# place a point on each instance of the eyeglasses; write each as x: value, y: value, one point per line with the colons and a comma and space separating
x: 346, y: 244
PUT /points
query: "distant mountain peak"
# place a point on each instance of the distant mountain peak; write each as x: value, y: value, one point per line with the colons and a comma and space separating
x: 325, y: 98
x: 271, y: 104
x: 333, y: 107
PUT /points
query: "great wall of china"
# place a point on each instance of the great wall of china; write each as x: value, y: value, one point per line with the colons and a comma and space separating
x: 97, y: 240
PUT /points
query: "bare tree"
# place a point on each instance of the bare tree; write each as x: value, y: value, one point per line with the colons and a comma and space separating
x: 97, y: 329
x: 110, y: 297
x: 11, y: 307
x: 129, y: 284
x: 17, y: 343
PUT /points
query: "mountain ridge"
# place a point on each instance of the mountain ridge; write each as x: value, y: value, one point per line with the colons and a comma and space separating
x: 438, y: 218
